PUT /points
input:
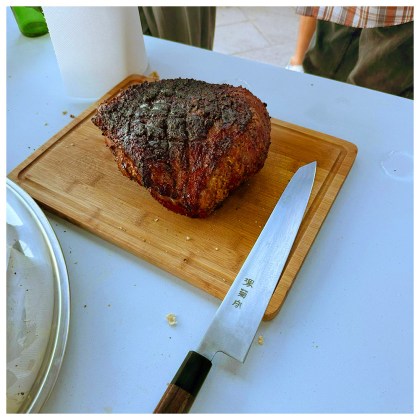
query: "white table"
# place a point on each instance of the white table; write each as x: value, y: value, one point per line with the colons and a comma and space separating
x: 343, y: 340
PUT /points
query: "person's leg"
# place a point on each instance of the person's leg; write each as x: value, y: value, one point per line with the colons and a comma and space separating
x: 307, y: 25
x: 386, y: 60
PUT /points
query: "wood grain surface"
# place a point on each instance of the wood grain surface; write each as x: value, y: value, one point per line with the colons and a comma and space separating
x: 74, y: 175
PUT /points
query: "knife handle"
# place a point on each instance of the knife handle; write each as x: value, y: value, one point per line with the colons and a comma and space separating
x: 181, y: 392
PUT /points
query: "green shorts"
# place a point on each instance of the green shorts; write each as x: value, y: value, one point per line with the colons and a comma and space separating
x: 187, y: 25
x: 376, y: 58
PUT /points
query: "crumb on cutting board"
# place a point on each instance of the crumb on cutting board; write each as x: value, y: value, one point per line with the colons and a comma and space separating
x: 154, y: 74
x: 171, y: 318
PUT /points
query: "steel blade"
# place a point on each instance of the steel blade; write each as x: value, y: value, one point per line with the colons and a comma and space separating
x: 237, y: 319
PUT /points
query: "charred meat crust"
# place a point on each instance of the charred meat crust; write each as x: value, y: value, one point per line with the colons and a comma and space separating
x: 190, y: 143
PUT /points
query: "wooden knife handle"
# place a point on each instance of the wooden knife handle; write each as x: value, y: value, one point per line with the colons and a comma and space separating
x: 181, y: 392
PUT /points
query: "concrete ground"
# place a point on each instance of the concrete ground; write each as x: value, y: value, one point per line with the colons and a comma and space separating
x: 266, y: 34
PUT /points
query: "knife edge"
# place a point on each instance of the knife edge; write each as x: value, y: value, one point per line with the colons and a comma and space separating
x: 230, y: 331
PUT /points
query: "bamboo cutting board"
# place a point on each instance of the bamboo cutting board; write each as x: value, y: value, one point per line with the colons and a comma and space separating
x: 75, y: 176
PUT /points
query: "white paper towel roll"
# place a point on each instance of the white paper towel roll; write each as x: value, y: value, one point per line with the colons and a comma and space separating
x: 96, y: 47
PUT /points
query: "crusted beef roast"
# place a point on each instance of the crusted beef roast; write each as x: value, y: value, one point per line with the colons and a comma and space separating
x: 190, y: 143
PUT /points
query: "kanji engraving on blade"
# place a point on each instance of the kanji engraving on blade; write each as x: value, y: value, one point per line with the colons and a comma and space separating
x: 248, y: 283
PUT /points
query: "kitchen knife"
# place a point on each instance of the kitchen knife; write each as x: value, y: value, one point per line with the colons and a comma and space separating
x: 235, y: 323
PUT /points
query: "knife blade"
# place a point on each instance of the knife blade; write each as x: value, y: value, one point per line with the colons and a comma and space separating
x: 236, y: 321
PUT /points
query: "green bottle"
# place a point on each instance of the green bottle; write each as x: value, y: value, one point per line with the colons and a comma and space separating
x: 31, y: 20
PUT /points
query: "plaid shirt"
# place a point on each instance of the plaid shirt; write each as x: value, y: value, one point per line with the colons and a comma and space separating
x: 360, y: 16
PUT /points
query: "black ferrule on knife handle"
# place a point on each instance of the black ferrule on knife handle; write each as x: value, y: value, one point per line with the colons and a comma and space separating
x: 183, y: 389
x: 192, y: 373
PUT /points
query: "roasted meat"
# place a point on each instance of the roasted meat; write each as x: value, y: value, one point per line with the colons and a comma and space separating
x: 190, y: 143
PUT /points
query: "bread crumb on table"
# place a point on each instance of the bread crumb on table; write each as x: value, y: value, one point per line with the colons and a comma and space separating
x: 171, y: 318
x: 260, y: 340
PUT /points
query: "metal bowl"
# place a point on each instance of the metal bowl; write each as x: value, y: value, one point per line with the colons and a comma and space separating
x: 31, y: 228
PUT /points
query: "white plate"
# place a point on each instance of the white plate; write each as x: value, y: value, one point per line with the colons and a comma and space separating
x: 38, y: 303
